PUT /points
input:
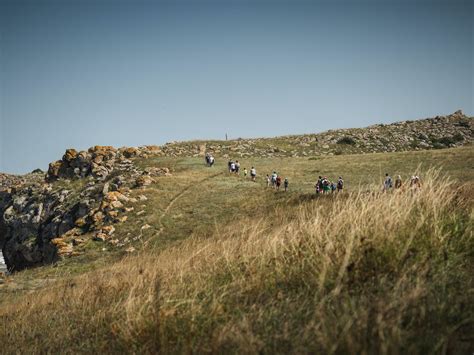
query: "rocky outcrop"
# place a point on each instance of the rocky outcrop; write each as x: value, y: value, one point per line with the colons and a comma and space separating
x: 98, y: 161
x: 432, y: 133
x: 83, y: 195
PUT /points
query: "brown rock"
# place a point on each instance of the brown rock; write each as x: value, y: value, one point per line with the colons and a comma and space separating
x: 116, y: 204
x: 143, y: 180
x: 80, y: 222
x: 53, y: 170
x: 97, y: 218
x: 109, y: 230
x: 130, y: 152
x: 115, y: 196
x: 101, y: 237
x: 70, y: 155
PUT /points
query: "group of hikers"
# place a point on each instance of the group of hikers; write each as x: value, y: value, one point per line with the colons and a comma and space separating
x: 234, y: 168
x: 274, y: 181
x: 323, y: 184
x: 415, y: 183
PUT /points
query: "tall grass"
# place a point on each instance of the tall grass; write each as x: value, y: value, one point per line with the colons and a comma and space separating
x: 356, y: 273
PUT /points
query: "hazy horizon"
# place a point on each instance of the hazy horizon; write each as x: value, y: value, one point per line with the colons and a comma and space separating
x: 128, y: 73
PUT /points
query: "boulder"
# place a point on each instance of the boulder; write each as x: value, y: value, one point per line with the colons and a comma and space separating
x: 130, y: 152
x: 143, y: 180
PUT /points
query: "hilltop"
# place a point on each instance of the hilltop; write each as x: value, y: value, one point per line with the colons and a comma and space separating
x: 439, y: 132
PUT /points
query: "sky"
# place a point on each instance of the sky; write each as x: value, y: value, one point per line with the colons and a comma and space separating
x: 129, y: 73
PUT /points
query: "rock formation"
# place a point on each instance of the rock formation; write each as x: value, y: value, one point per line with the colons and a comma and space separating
x: 45, y: 218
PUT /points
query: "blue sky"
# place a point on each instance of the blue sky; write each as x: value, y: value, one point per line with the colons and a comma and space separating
x: 126, y: 73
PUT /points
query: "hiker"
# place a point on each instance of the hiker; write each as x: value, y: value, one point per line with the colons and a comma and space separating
x: 278, y: 182
x: 398, y: 182
x: 333, y: 187
x: 232, y: 167
x: 340, y: 184
x: 229, y: 164
x: 415, y: 183
x: 387, y: 184
x: 286, y: 183
x: 326, y: 185
x: 319, y: 185
x: 207, y: 159
x: 268, y: 180
x: 253, y: 173
x: 237, y: 167
x: 318, y: 191
x: 274, y: 178
x: 245, y: 172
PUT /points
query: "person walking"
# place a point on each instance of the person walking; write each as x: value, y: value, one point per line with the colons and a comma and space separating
x: 285, y: 184
x: 387, y: 184
x: 278, y: 182
x: 398, y: 182
x: 245, y: 172
x: 274, y: 178
x: 237, y: 167
x: 415, y: 183
x: 319, y: 185
x: 268, y: 180
x: 340, y: 184
x: 253, y: 173
x: 326, y: 185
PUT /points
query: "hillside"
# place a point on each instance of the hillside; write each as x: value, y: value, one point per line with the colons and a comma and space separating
x: 142, y: 250
x: 439, y: 132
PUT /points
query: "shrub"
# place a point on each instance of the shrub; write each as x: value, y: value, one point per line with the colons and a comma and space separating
x: 463, y: 123
x: 346, y: 140
x: 458, y: 137
x: 449, y: 140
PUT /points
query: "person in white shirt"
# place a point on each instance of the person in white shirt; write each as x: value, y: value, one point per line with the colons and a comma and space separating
x: 253, y: 173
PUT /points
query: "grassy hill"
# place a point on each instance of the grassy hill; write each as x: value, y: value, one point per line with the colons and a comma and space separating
x: 210, y: 262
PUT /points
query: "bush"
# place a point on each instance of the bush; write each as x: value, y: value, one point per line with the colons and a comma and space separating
x: 448, y: 140
x: 458, y: 137
x: 464, y: 124
x: 347, y: 140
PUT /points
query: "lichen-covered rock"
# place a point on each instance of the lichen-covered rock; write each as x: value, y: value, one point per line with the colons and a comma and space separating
x: 97, y: 161
x: 42, y: 220
x: 143, y: 181
x: 130, y: 152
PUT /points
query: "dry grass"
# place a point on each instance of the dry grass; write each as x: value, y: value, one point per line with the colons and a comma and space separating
x: 358, y: 273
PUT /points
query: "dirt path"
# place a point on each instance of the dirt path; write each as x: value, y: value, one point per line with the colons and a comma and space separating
x: 177, y: 197
x: 183, y: 191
